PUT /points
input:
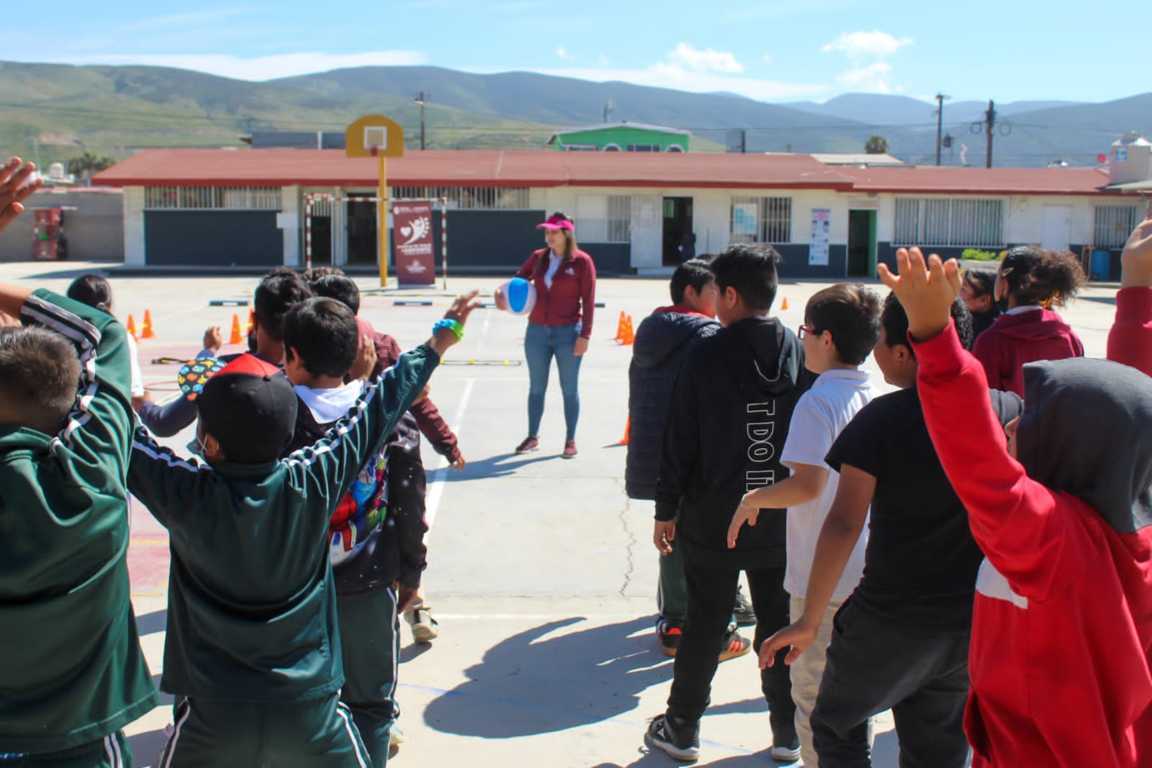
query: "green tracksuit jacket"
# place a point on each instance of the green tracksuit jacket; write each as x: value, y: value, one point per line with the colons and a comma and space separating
x: 71, y: 669
x: 251, y: 603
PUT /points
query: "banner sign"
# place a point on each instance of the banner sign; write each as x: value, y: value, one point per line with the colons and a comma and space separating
x: 412, y: 244
x: 821, y: 232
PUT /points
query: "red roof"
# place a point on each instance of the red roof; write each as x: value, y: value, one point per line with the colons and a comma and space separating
x: 493, y: 168
x: 497, y: 168
x: 911, y: 179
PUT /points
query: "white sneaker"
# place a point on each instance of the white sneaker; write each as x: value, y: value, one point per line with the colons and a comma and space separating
x: 425, y: 629
x: 785, y: 754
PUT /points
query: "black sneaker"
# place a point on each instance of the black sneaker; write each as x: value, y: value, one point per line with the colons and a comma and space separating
x: 745, y: 616
x: 680, y: 742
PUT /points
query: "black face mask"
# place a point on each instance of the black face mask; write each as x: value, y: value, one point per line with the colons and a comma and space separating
x: 1087, y: 431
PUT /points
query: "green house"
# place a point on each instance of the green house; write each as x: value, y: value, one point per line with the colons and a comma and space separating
x: 621, y: 137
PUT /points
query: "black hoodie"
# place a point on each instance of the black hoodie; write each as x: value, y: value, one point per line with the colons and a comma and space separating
x: 726, y: 429
x: 661, y: 346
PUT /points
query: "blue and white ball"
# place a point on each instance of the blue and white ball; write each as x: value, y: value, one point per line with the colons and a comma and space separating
x: 519, y: 296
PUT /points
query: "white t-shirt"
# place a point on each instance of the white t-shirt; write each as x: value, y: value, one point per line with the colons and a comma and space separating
x: 554, y: 260
x: 822, y: 412
x: 134, y: 367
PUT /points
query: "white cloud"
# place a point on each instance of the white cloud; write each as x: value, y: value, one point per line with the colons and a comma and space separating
x: 562, y: 53
x: 704, y: 60
x: 861, y: 45
x: 261, y: 67
x: 872, y: 78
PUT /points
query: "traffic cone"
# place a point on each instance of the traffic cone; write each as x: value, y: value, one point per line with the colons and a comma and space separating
x: 784, y: 306
x: 146, y: 331
x: 620, y: 329
x: 237, y: 336
x: 627, y: 432
x: 629, y: 335
x: 251, y: 322
x: 131, y: 326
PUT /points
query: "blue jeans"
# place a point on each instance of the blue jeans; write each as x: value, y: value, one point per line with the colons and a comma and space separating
x: 541, y: 344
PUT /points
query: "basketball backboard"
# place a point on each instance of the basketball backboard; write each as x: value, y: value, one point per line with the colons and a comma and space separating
x: 374, y: 136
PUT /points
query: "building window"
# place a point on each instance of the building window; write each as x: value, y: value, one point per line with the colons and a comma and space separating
x: 212, y: 198
x: 761, y: 220
x: 643, y: 147
x: 581, y: 147
x: 1113, y: 224
x: 470, y: 198
x: 604, y: 218
x: 949, y: 223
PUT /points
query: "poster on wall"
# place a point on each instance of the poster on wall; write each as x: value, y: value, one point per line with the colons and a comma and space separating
x: 744, y: 220
x: 412, y: 244
x: 821, y: 233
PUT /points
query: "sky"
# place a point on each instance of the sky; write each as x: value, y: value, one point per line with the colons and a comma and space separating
x: 770, y: 50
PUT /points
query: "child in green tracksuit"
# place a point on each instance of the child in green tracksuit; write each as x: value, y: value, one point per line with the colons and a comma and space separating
x: 71, y: 670
x: 253, y: 650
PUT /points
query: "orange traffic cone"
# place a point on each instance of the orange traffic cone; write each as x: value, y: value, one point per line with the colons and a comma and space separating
x: 146, y: 331
x: 237, y: 336
x: 131, y: 326
x: 784, y: 306
x: 251, y: 322
x: 627, y: 432
x: 620, y: 329
x: 629, y: 335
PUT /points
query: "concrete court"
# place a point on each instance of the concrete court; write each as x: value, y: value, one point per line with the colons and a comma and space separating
x: 542, y: 573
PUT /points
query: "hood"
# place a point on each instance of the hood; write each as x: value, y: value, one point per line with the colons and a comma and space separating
x: 778, y: 357
x: 1085, y: 431
x: 664, y: 332
x: 329, y: 405
x: 1037, y: 325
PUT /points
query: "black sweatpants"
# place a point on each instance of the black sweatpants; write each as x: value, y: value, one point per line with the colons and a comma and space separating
x: 874, y: 664
x: 711, y: 596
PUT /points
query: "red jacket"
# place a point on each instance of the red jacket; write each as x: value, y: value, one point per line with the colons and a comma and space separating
x: 1015, y: 340
x: 1061, y: 654
x: 572, y: 297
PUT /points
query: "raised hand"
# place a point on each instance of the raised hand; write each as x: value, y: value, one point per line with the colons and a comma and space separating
x: 926, y: 290
x: 461, y: 309
x: 365, y: 361
x: 1136, y: 261
x: 16, y: 185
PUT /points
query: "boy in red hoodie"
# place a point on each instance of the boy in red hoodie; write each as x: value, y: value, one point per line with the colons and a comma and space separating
x: 1060, y: 501
x: 1030, y: 281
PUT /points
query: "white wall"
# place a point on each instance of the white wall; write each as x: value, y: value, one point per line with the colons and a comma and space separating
x: 290, y: 223
x: 135, y: 251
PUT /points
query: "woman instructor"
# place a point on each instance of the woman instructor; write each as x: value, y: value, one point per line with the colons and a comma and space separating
x: 560, y: 325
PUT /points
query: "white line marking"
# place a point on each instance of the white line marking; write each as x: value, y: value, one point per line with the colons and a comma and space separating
x: 436, y: 478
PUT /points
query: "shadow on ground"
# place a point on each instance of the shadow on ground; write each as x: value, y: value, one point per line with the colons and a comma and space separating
x: 527, y: 685
x: 494, y: 466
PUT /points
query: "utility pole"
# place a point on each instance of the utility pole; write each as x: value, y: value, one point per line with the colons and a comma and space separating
x: 940, y: 97
x: 422, y: 99
x: 609, y: 106
x: 989, y: 129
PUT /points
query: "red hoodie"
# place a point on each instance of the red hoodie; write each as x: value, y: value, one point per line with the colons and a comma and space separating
x: 572, y: 297
x: 1015, y: 340
x: 1061, y: 654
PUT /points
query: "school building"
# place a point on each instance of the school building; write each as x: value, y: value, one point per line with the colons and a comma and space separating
x: 636, y: 212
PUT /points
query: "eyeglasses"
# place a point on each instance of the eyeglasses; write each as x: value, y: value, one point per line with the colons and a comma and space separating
x: 807, y: 330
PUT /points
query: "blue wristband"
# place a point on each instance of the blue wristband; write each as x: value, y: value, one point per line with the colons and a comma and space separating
x: 448, y: 324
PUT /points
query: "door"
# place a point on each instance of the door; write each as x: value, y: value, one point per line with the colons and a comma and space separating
x: 679, y: 239
x: 647, y: 232
x: 861, y: 243
x: 1054, y: 235
x: 362, y: 237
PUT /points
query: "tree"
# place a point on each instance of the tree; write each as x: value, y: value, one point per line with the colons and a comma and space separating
x: 877, y: 145
x: 88, y: 164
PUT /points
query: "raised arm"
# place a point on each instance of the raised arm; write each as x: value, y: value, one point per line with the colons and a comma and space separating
x: 1015, y: 520
x: 17, y: 183
x: 1130, y: 341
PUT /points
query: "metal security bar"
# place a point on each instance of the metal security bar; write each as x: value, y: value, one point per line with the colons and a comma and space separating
x: 619, y: 219
x: 212, y: 198
x: 1113, y: 224
x: 950, y: 223
x: 470, y: 198
x: 773, y: 220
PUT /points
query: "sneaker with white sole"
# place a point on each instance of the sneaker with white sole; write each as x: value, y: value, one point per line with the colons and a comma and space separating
x: 680, y: 741
x: 785, y: 754
x: 425, y: 628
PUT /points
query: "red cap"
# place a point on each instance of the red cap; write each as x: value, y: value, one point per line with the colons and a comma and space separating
x: 557, y: 221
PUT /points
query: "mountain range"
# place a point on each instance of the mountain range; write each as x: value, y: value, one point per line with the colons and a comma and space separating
x: 54, y: 111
